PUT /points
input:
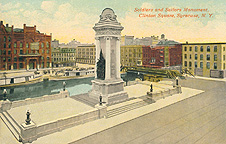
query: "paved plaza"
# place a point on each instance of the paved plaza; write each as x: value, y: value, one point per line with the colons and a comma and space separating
x: 195, y: 116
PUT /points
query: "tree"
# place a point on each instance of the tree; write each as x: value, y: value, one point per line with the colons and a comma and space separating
x: 101, y: 67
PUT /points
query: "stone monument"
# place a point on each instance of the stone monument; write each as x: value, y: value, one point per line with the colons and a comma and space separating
x: 108, y: 83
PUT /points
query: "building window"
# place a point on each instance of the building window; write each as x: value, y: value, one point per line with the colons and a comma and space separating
x: 27, y: 52
x: 21, y: 44
x: 47, y: 44
x: 42, y: 58
x: 4, y: 59
x: 15, y: 59
x: 9, y: 39
x: 21, y: 51
x: 21, y: 65
x: 4, y: 52
x: 4, y: 39
x: 42, y: 45
x: 27, y: 45
x: 190, y: 64
x: 15, y: 51
x: 43, y: 51
x: 215, y: 57
x: 4, y: 45
x: 9, y: 59
x: 185, y: 48
x: 208, y: 57
x: 9, y: 45
x: 201, y: 56
x: 215, y: 48
x: 15, y: 66
x: 201, y: 64
x: 215, y: 65
x: 196, y: 48
x: 190, y: 56
x: 224, y: 48
x: 9, y: 52
x: 224, y: 66
x: 190, y: 48
x: 195, y: 64
x: 20, y: 58
x: 201, y: 48
x: 208, y: 65
x: 196, y: 56
x: 185, y: 56
x: 208, y: 48
x: 15, y: 45
x: 223, y: 57
x: 185, y: 63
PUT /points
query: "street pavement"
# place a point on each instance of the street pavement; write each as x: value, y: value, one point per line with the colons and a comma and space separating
x: 199, y: 119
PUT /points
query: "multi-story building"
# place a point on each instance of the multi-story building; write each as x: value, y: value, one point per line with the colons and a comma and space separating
x: 86, y: 54
x: 25, y: 48
x: 166, y: 53
x: 205, y: 59
x: 127, y: 40
x: 63, y: 57
x: 131, y: 55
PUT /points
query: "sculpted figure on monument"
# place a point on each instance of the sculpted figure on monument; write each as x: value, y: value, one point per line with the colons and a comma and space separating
x: 101, y: 67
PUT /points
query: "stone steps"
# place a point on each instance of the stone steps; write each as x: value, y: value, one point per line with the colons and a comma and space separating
x: 126, y: 108
x: 85, y: 99
x: 11, y: 124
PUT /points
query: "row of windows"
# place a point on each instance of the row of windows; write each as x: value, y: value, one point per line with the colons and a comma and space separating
x: 201, y: 48
x: 18, y: 58
x: 20, y: 52
x: 201, y: 57
x: 200, y: 65
x: 27, y: 45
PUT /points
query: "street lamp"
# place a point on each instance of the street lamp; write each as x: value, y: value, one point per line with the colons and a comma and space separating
x: 101, y: 100
x: 151, y: 88
x: 64, y: 85
x: 177, y: 81
x: 4, y: 74
x: 4, y: 94
x: 28, y: 120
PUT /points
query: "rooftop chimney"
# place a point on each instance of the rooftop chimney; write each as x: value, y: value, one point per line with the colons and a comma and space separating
x: 1, y: 22
x: 7, y: 25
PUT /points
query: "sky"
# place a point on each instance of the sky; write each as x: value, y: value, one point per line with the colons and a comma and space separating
x: 74, y: 19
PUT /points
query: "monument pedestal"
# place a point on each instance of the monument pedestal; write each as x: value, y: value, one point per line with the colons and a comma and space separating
x: 111, y: 90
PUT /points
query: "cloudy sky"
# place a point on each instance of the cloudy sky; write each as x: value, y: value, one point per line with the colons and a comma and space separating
x: 74, y: 19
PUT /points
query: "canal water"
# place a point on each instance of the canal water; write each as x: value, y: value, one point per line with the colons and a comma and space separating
x: 74, y: 86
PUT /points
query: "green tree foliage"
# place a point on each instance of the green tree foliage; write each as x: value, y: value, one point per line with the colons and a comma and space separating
x: 101, y: 67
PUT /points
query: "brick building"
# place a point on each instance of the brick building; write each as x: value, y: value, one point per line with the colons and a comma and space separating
x: 165, y: 53
x: 25, y: 48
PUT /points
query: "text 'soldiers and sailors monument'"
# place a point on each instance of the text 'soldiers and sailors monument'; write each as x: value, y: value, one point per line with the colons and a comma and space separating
x: 108, y: 82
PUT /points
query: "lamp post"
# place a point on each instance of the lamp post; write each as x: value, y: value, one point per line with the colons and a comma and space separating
x: 4, y: 94
x: 177, y: 81
x: 64, y: 85
x: 4, y: 74
x: 101, y: 100
x: 151, y: 88
x: 28, y: 120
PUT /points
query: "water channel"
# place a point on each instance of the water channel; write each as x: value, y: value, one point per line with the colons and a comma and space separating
x: 74, y: 86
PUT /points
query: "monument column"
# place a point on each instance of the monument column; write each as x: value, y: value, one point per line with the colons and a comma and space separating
x: 108, y: 59
x: 97, y: 39
x: 118, y: 51
x: 108, y: 84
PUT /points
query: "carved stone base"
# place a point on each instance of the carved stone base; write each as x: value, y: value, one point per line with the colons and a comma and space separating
x: 111, y: 90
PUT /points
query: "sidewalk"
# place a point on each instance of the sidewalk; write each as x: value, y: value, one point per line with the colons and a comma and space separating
x: 208, y: 78
x: 90, y: 128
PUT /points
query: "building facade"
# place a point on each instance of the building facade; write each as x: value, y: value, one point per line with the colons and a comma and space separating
x: 205, y: 59
x: 25, y: 48
x: 164, y: 54
x: 86, y: 54
x: 63, y: 57
x: 131, y: 55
